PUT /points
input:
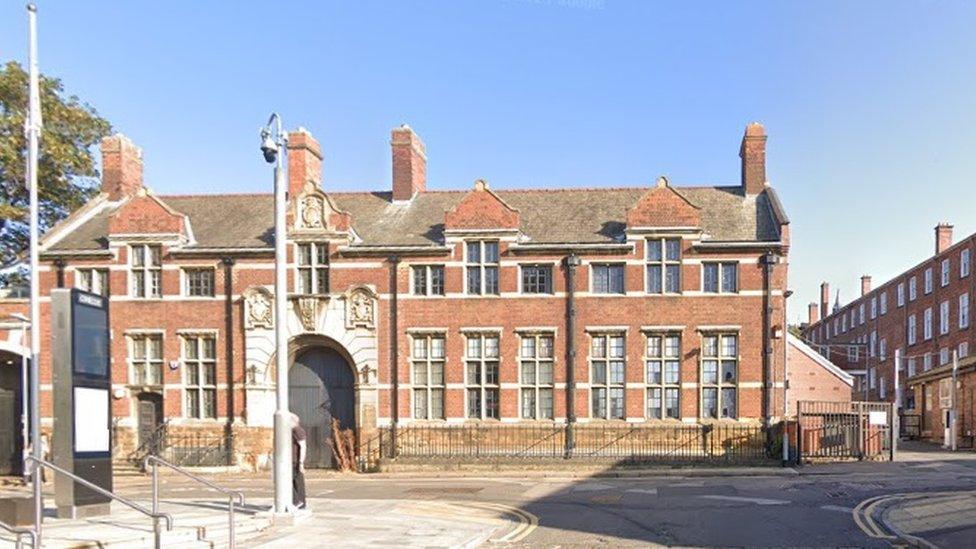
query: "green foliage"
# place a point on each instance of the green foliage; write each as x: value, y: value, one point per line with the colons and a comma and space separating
x: 66, y: 166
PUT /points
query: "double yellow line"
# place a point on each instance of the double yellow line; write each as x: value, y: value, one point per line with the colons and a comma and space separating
x: 864, y: 518
x: 526, y: 522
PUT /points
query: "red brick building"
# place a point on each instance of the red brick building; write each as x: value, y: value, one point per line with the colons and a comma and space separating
x: 810, y: 376
x: 914, y: 322
x: 437, y: 307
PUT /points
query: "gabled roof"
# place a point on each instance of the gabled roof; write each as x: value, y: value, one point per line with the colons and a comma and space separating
x: 819, y: 359
x: 555, y: 216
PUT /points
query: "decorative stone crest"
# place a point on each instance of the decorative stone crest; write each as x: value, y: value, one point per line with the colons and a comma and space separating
x: 308, y: 312
x: 258, y: 311
x: 365, y: 372
x: 360, y: 308
x: 312, y: 212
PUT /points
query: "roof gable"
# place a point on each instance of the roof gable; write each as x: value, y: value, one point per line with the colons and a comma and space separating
x: 662, y: 206
x: 146, y: 213
x: 481, y: 209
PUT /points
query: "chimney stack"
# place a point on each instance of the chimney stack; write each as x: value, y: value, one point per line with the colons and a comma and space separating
x: 824, y: 300
x: 409, y: 163
x: 753, y: 155
x: 813, y: 314
x: 865, y: 285
x: 304, y: 162
x: 943, y: 237
x: 121, y: 167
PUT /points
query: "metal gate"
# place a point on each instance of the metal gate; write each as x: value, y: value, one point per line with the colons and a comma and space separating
x: 835, y: 431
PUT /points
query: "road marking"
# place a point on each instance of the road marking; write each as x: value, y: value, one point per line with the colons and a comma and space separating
x: 651, y: 491
x: 527, y: 521
x: 758, y: 501
x: 480, y: 512
x: 838, y: 508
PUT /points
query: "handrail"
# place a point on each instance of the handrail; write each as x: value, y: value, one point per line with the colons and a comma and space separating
x: 20, y: 531
x: 157, y: 534
x: 231, y: 494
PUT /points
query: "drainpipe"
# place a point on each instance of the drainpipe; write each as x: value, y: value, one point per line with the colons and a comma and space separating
x: 394, y: 355
x: 571, y: 262
x: 59, y: 264
x: 768, y: 260
x: 228, y: 263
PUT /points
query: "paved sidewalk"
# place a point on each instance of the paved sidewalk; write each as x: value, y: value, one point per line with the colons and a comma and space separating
x: 939, y: 520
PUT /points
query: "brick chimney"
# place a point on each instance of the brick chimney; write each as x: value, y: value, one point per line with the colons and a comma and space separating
x: 304, y: 162
x: 813, y: 314
x: 409, y: 163
x: 943, y: 237
x: 865, y: 285
x: 824, y: 300
x: 121, y: 167
x: 753, y: 155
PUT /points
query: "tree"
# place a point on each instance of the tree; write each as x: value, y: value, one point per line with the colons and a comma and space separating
x: 66, y: 165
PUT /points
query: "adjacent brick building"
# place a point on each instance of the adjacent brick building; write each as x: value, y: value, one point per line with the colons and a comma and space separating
x: 914, y: 322
x: 410, y: 305
x: 810, y: 376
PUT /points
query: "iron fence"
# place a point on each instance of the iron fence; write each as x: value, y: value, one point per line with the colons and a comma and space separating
x: 198, y: 449
x: 910, y: 426
x: 830, y: 431
x: 603, y: 441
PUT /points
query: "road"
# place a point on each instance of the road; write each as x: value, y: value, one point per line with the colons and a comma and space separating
x: 818, y: 506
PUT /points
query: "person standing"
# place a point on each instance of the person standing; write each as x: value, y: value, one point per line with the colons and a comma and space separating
x: 299, y: 447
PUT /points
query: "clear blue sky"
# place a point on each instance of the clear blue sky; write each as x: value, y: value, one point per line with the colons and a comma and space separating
x: 870, y: 106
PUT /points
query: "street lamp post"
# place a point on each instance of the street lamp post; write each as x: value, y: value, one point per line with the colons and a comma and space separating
x: 273, y: 141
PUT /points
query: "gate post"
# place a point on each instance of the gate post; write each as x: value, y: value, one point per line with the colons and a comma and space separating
x: 799, y: 434
x: 861, y: 442
x: 895, y: 427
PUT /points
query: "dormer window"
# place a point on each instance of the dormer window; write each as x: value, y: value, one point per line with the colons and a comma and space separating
x: 313, y: 268
x: 481, y: 263
x: 664, y: 266
x: 145, y: 270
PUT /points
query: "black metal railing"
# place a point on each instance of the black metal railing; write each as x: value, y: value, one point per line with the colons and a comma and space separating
x: 910, y: 426
x: 198, y: 449
x: 617, y: 442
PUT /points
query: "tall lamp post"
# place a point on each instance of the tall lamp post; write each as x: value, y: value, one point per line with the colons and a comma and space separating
x: 273, y: 141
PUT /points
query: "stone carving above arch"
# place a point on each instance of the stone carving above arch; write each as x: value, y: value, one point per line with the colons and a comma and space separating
x: 258, y: 308
x: 361, y: 307
x: 308, y: 311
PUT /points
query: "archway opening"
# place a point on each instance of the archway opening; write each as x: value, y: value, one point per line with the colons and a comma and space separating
x: 321, y: 387
x: 11, y: 426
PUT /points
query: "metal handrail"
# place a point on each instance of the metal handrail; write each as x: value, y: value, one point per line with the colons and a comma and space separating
x: 155, y: 461
x: 20, y: 531
x: 157, y: 534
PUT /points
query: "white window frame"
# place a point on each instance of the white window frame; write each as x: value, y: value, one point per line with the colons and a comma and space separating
x: 185, y: 273
x: 428, y: 279
x: 484, y: 266
x: 912, y: 329
x: 154, y: 365
x: 479, y: 383
x: 720, y: 278
x: 317, y: 268
x: 874, y: 307
x: 201, y: 388
x: 536, y: 387
x: 927, y: 325
x: 946, y: 270
x: 913, y: 288
x: 883, y: 299
x: 609, y: 386
x: 963, y: 311
x: 150, y: 269
x: 929, y: 283
x: 93, y: 279
x: 720, y: 385
x: 964, y: 263
x: 656, y: 353
x: 901, y: 294
x: 428, y: 388
x: 662, y: 264
x: 944, y: 318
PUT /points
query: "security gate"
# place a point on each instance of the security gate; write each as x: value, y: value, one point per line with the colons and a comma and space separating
x: 836, y: 431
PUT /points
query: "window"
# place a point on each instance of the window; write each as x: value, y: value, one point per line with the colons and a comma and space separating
x: 200, y: 365
x: 946, y: 269
x: 874, y: 307
x: 928, y: 281
x: 607, y: 278
x: 313, y: 268
x: 927, y: 362
x: 873, y: 346
x: 912, y: 288
x: 944, y: 318
x: 943, y: 356
x: 963, y: 311
x: 901, y: 294
x: 843, y: 324
x: 963, y: 349
x: 607, y: 364
x: 482, y: 267
x: 720, y: 358
x: 664, y: 266
x: 427, y: 360
x: 927, y: 325
x: 883, y: 349
x: 536, y: 375
x: 146, y: 359
x: 720, y: 278
x: 145, y: 270
x: 860, y: 312
x: 536, y: 279
x: 882, y: 389
x: 884, y: 302
x: 912, y: 330
x: 911, y: 366
x: 852, y: 353
x: 481, y: 376
x: 662, y: 360
x: 198, y: 282
x: 873, y: 378
x: 92, y: 280
x: 964, y: 263
x: 428, y: 279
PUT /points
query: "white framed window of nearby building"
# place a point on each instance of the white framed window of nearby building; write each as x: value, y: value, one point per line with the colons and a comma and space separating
x: 663, y: 265
x: 860, y: 312
x: 853, y: 318
x: 720, y: 375
x: 874, y: 307
x: 873, y: 345
x: 927, y: 361
x: 536, y: 364
x: 662, y: 361
x: 92, y: 280
x: 853, y: 352
x: 481, y: 264
x: 199, y: 360
x: 873, y: 378
x: 964, y: 263
x: 608, y: 363
x: 427, y: 359
x: 901, y: 294
x: 608, y: 278
x: 912, y: 288
x: 882, y: 392
x: 146, y: 358
x: 427, y: 279
x: 145, y: 270
x: 481, y: 371
x: 883, y: 302
x: 536, y: 279
x: 843, y: 324
x: 911, y: 366
x: 946, y: 270
x: 963, y: 349
x: 198, y: 282
x: 912, y: 330
x: 313, y: 268
x: 720, y: 278
x: 927, y: 324
x: 928, y: 281
x: 883, y: 349
x: 963, y: 311
x: 943, y: 356
x: 944, y: 318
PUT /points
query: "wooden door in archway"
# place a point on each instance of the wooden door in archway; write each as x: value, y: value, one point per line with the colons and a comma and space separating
x: 320, y: 388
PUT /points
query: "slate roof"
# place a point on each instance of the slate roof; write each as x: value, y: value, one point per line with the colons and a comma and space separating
x: 557, y: 216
